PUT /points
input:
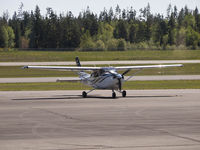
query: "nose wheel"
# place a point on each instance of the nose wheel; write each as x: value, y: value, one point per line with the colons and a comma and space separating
x: 113, y: 95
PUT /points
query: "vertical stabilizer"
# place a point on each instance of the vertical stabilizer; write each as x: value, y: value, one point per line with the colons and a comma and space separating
x: 82, y: 75
x: 78, y: 62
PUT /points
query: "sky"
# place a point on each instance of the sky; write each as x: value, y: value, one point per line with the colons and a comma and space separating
x: 76, y: 6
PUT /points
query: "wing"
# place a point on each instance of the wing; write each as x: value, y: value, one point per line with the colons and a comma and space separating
x: 66, y: 68
x: 63, y: 68
x: 147, y: 66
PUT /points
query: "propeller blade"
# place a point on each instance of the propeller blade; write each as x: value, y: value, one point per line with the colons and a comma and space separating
x: 125, y: 72
x: 120, y: 84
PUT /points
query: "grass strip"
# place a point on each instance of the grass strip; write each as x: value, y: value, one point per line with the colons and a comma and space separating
x: 131, y: 85
x: 41, y: 56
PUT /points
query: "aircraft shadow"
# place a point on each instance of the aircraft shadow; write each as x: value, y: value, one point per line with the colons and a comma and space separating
x: 49, y: 98
x: 120, y: 97
x: 151, y: 96
x: 74, y: 97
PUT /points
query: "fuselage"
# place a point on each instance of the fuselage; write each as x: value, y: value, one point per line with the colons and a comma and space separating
x: 106, y: 80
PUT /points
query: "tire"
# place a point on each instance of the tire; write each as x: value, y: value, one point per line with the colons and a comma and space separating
x: 123, y: 93
x: 113, y: 95
x: 84, y: 94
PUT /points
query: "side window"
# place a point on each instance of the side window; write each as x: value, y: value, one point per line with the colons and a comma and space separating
x: 95, y: 74
x: 101, y: 71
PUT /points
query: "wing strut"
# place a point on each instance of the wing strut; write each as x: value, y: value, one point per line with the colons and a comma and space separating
x: 133, y: 74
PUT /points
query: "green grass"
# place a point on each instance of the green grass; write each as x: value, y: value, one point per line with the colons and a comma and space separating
x: 16, y: 71
x: 136, y: 85
x: 165, y: 84
x: 37, y: 56
x: 42, y: 86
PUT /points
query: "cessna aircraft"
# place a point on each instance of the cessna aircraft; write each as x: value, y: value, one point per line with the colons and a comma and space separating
x: 103, y: 77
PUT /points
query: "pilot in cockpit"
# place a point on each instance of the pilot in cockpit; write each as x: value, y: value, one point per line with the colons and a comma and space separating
x: 95, y: 74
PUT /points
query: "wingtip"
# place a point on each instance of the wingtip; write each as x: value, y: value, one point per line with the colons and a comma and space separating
x: 25, y: 67
x: 181, y: 65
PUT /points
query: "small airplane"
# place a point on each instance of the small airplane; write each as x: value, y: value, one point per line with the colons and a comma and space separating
x: 103, y: 77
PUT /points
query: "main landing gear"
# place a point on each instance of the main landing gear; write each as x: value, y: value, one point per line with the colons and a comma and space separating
x: 123, y: 93
x: 84, y: 94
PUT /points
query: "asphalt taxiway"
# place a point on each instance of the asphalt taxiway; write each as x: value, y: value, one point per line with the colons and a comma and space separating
x: 63, y: 120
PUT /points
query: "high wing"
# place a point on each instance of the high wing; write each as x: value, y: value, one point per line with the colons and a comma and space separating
x: 76, y: 68
x: 63, y: 68
x: 147, y: 66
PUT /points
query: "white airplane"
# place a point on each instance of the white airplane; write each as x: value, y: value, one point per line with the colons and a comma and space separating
x: 103, y: 77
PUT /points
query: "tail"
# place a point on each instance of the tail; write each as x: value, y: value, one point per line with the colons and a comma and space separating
x: 78, y: 62
x: 82, y: 75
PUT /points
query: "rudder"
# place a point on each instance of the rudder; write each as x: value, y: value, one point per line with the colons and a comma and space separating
x: 78, y: 62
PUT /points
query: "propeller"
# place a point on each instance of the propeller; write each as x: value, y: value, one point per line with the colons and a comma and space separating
x: 125, y: 73
x: 120, y: 84
x: 119, y: 77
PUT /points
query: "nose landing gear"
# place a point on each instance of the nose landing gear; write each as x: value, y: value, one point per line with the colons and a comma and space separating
x: 113, y: 95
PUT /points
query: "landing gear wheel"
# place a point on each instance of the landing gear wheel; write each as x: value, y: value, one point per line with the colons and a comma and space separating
x: 84, y: 94
x: 123, y: 93
x: 113, y: 95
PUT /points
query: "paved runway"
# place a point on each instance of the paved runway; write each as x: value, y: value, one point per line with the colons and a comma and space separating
x: 62, y: 120
x: 99, y: 62
x: 63, y: 79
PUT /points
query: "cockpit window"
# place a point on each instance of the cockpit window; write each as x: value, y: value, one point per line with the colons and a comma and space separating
x: 98, y: 73
x: 95, y: 74
x: 101, y: 71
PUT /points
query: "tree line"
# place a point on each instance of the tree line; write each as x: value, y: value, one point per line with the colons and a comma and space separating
x: 113, y: 29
